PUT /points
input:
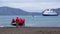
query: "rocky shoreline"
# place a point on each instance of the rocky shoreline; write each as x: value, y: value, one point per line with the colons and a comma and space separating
x: 30, y: 30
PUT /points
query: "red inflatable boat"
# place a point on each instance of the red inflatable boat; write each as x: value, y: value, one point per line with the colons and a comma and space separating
x: 20, y: 21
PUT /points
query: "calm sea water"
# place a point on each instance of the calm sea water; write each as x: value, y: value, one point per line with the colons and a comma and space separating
x: 36, y: 21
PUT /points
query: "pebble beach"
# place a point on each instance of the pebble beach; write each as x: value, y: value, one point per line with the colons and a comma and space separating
x: 30, y: 30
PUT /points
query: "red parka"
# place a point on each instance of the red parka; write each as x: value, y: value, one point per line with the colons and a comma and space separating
x: 21, y: 20
x: 17, y: 20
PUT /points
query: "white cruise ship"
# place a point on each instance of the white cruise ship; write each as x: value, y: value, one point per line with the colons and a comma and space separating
x: 49, y: 12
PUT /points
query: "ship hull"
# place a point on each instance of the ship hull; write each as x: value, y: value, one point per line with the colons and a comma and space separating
x: 50, y: 14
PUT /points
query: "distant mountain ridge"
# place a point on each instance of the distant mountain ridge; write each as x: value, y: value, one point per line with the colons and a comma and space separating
x: 15, y: 11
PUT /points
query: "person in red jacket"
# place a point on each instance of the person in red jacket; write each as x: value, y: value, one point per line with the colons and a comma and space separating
x: 17, y: 21
x: 21, y: 21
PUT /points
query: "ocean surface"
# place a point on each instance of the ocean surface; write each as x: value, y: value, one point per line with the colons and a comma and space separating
x: 32, y: 21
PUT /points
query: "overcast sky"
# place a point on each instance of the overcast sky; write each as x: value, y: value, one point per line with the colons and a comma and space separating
x: 31, y: 5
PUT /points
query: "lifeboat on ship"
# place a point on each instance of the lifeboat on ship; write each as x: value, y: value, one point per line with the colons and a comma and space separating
x: 20, y: 21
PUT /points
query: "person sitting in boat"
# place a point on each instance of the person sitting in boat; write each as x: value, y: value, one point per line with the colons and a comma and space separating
x: 13, y: 21
x: 21, y: 21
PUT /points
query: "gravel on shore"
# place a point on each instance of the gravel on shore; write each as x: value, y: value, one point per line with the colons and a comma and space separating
x: 30, y: 30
